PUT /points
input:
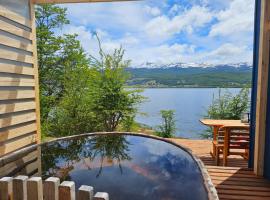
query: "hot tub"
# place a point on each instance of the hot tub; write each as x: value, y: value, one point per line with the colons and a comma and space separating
x: 127, y: 166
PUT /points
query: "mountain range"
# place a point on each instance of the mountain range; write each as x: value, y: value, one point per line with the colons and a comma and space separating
x: 190, y: 65
x: 190, y: 75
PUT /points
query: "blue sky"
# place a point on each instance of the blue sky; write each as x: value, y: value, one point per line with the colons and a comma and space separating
x: 168, y: 31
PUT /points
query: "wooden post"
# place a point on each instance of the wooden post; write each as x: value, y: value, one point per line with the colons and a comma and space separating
x: 215, y: 133
x: 20, y: 188
x: 6, y: 188
x: 67, y: 190
x: 262, y: 89
x: 51, y: 188
x: 85, y: 193
x: 101, y: 196
x: 36, y: 75
x: 226, y: 146
x: 34, y: 189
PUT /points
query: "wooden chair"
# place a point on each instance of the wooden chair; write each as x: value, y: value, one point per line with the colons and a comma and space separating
x: 239, y: 139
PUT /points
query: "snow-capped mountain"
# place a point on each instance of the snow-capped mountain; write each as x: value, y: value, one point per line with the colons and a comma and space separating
x: 190, y: 65
x: 191, y: 75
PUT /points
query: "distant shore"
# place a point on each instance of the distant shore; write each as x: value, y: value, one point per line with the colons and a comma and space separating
x: 168, y: 87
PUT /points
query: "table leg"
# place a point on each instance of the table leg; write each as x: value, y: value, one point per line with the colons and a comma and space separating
x: 215, y: 132
x: 226, y: 146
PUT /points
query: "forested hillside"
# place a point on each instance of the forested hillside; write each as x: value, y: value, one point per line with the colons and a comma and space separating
x: 218, y: 76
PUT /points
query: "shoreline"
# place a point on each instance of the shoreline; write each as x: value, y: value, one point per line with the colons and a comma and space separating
x: 140, y: 87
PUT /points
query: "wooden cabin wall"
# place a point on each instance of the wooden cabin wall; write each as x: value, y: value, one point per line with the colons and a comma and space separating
x: 266, y: 163
x: 266, y: 167
x: 22, y: 162
x: 19, y: 90
x: 260, y: 139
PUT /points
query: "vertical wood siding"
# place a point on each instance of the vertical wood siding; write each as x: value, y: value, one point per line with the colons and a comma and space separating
x: 19, y: 102
x: 267, y: 139
x: 262, y: 69
x: 260, y: 107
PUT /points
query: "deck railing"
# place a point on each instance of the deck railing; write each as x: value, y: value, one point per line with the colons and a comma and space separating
x: 24, y: 188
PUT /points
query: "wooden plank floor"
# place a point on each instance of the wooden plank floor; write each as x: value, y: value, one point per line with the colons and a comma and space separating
x: 236, y: 181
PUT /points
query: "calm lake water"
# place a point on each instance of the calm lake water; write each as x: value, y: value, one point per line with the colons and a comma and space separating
x: 190, y: 105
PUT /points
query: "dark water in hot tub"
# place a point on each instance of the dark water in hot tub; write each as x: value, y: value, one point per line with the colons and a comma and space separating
x: 127, y: 167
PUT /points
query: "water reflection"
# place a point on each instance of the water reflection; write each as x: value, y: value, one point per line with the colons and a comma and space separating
x: 127, y: 167
x: 108, y: 150
x: 59, y: 158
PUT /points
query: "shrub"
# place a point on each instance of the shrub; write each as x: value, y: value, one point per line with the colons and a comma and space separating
x: 227, y: 106
x: 112, y: 102
x: 167, y: 128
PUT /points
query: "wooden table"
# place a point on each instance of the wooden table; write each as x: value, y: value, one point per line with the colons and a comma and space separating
x: 227, y: 125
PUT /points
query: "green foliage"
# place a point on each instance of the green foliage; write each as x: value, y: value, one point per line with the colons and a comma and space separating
x: 112, y: 102
x: 63, y: 74
x: 128, y: 124
x: 50, y: 48
x: 227, y: 106
x: 168, y: 128
x: 73, y: 114
x: 79, y: 94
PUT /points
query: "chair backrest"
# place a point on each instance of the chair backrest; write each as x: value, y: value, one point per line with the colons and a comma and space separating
x: 239, y: 138
x: 238, y: 134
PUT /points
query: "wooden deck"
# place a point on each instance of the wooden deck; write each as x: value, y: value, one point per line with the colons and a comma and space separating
x: 236, y: 181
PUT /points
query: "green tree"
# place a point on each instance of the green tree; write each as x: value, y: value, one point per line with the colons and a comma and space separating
x: 51, y: 69
x: 63, y: 73
x: 227, y: 106
x: 128, y: 124
x: 112, y: 102
x: 73, y: 114
x: 167, y: 128
x: 79, y: 93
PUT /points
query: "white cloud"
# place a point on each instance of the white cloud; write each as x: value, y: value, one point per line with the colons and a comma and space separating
x: 150, y: 34
x: 238, y: 18
x: 225, y: 53
x: 164, y: 54
x: 128, y: 15
x: 90, y: 44
x: 86, y: 37
x: 161, y: 54
x: 230, y: 53
x: 164, y: 27
x: 174, y: 9
x: 227, y: 50
x: 129, y: 40
x: 134, y: 51
x: 154, y: 11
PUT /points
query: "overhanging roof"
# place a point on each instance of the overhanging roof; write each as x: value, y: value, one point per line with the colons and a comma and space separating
x: 76, y: 1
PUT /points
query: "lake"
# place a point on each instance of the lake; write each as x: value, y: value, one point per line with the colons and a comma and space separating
x: 190, y: 105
